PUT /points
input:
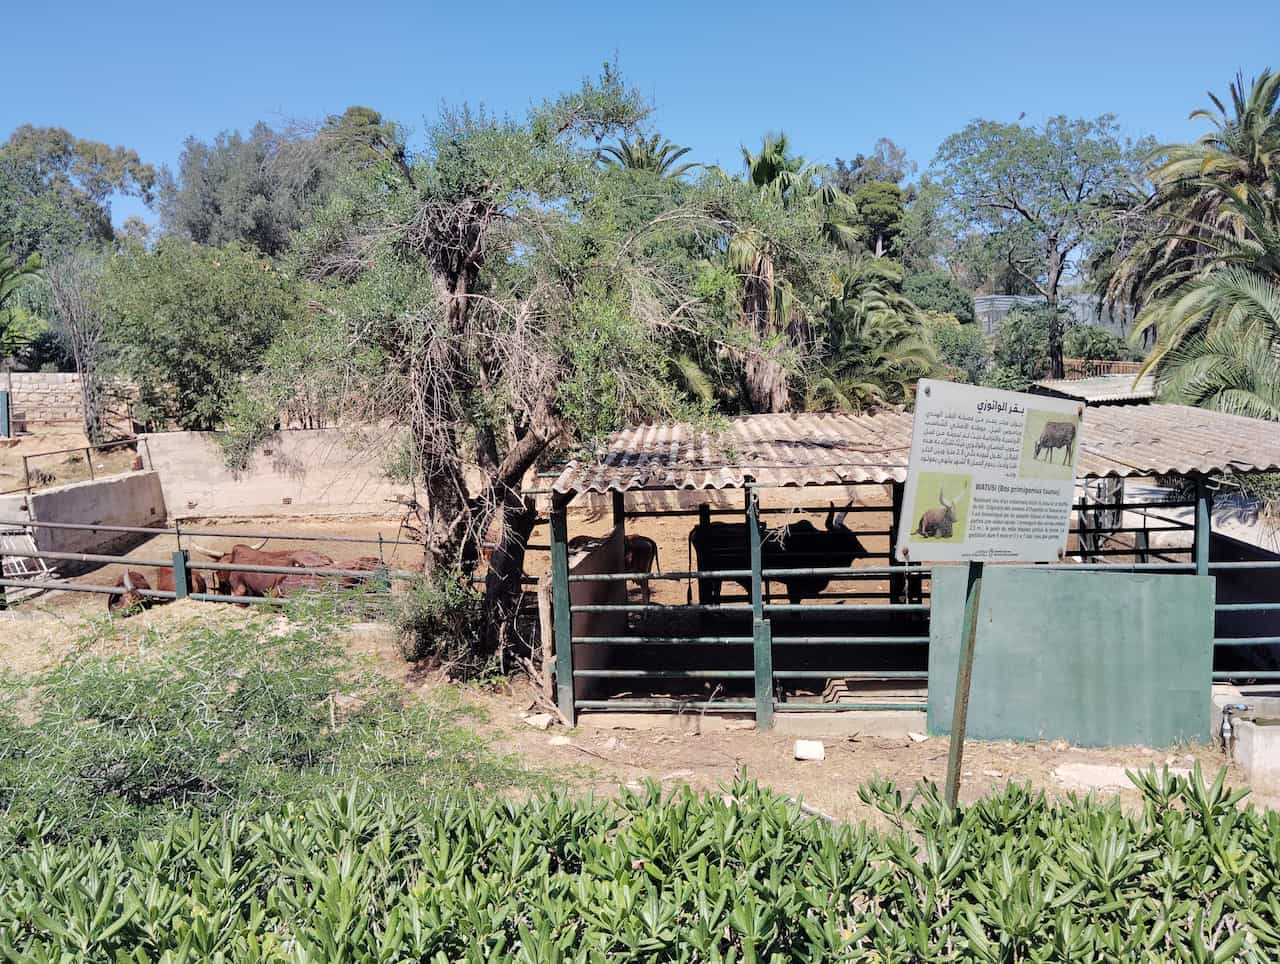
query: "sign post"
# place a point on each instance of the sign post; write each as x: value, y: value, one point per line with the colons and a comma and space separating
x: 991, y: 479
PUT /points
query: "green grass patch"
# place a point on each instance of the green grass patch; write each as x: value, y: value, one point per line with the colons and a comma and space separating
x: 225, y: 718
x: 360, y: 876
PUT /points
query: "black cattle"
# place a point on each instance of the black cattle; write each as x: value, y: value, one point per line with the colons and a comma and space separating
x: 1057, y: 435
x: 801, y: 545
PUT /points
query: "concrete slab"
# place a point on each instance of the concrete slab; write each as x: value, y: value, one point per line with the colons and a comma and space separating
x: 1098, y: 777
x: 890, y: 724
x: 1256, y: 748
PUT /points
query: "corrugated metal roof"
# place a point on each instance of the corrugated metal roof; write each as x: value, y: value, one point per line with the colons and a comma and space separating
x: 1101, y: 389
x: 816, y: 449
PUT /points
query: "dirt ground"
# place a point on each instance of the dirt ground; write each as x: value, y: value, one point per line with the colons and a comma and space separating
x: 62, y: 467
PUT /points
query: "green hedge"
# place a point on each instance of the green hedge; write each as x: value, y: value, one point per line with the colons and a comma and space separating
x: 742, y: 876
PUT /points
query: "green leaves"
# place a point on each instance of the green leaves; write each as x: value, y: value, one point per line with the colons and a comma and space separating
x: 742, y: 876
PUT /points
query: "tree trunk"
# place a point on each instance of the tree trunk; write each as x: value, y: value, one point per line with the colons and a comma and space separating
x: 503, y: 591
x: 1052, y: 278
x: 766, y: 379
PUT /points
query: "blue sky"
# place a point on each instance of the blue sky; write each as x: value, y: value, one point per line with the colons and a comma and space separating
x: 834, y: 76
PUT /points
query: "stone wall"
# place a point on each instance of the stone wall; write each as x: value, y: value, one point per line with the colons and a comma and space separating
x: 43, y: 399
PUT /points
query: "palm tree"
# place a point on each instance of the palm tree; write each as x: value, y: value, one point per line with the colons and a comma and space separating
x: 14, y: 333
x: 1218, y: 323
x: 770, y: 308
x: 654, y: 154
x: 874, y: 346
x: 1192, y: 183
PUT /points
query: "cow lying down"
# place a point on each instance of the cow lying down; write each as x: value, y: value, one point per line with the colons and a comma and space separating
x: 238, y: 582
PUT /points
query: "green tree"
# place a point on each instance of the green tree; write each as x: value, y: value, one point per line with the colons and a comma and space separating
x: 938, y: 291
x: 480, y: 300
x: 1090, y: 341
x: 880, y: 213
x: 654, y: 154
x: 1020, y: 353
x: 16, y: 330
x: 1040, y: 195
x: 1179, y: 228
x: 959, y: 347
x: 55, y: 189
x: 886, y: 164
x: 774, y: 308
x: 188, y: 322
x: 260, y: 189
x: 873, y: 346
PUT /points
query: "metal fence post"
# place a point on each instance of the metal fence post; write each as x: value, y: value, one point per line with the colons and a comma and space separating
x: 762, y: 637
x: 181, y: 575
x: 1204, y: 526
x: 562, y: 618
x: 88, y: 457
x: 6, y: 430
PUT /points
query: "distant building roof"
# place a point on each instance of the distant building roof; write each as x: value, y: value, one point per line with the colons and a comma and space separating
x: 1100, y: 389
x: 819, y: 449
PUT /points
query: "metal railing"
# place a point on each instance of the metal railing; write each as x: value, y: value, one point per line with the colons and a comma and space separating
x: 183, y: 565
x: 88, y: 451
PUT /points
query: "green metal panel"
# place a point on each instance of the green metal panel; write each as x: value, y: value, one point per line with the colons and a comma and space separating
x: 5, y: 430
x: 181, y: 577
x: 763, y: 673
x: 1095, y: 658
x: 563, y: 625
x: 1204, y: 527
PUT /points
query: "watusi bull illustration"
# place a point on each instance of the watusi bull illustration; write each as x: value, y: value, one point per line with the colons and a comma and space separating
x: 938, y: 523
x: 1057, y: 435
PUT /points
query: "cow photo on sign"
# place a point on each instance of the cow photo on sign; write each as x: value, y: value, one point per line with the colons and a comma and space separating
x: 1048, y: 446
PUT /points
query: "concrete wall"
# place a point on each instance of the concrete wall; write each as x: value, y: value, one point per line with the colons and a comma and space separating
x: 296, y: 472
x: 134, y: 499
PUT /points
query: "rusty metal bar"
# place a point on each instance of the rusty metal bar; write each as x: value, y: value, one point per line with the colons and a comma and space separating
x: 87, y: 557
x: 83, y: 587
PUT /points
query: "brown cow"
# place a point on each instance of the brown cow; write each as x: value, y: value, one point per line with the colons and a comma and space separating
x: 131, y: 580
x: 641, y: 555
x: 236, y: 582
x: 291, y: 583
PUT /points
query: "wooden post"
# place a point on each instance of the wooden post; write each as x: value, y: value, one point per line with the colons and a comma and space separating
x: 88, y: 456
x: 620, y: 510
x: 181, y: 575
x: 964, y: 676
x: 761, y: 635
x: 1204, y: 526
x: 562, y: 618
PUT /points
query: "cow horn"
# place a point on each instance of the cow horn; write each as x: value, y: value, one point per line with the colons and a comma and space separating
x: 842, y: 514
x: 942, y: 500
x: 128, y: 582
x: 204, y: 551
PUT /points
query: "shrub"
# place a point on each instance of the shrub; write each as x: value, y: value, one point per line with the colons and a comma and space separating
x: 938, y: 291
x: 743, y: 876
x: 1021, y: 350
x: 960, y: 347
x: 221, y: 718
x: 439, y: 616
x: 1089, y: 341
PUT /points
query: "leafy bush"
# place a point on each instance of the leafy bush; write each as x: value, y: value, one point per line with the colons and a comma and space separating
x: 1021, y: 350
x: 439, y: 616
x: 960, y: 347
x: 220, y: 718
x: 1089, y: 341
x: 741, y: 877
x: 938, y: 291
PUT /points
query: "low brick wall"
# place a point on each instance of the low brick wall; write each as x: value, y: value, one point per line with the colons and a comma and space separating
x: 39, y: 399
